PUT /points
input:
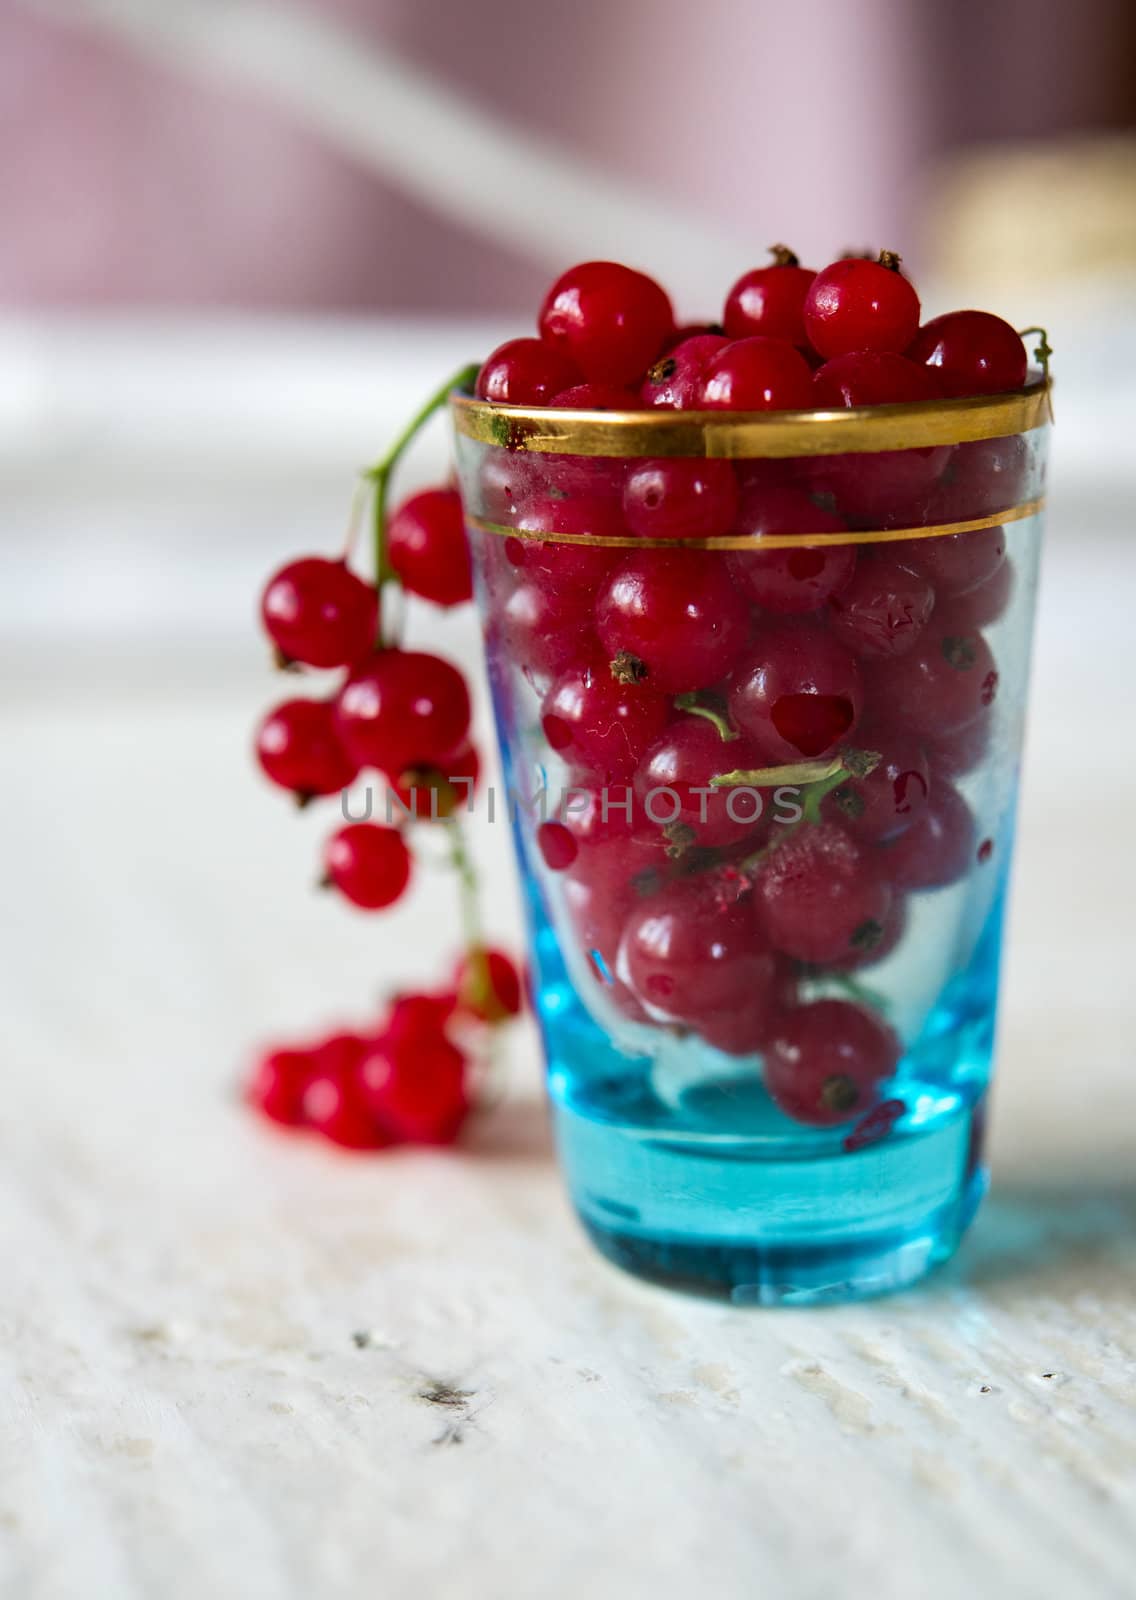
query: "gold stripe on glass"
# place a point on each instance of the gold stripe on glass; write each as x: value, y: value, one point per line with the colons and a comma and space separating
x: 770, y: 541
x: 740, y: 435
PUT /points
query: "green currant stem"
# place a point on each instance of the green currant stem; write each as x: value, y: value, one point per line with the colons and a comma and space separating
x: 816, y: 793
x: 355, y: 517
x: 770, y: 777
x: 1043, y: 350
x: 469, y: 909
x: 462, y: 863
x: 380, y: 473
x: 874, y: 998
x: 690, y: 702
x: 393, y: 628
x: 849, y: 764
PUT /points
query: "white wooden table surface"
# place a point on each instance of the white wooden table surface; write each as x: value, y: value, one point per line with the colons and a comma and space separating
x: 236, y: 1364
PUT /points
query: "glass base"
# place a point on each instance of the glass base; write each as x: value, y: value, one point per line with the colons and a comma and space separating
x: 742, y: 1225
x: 790, y: 1275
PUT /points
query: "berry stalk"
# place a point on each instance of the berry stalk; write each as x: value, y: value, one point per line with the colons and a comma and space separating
x: 479, y: 979
x: 380, y: 474
x: 1043, y: 350
x: 712, y: 714
x: 817, y: 778
x: 791, y: 773
x: 863, y: 993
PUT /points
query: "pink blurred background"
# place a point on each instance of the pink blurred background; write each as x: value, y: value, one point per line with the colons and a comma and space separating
x: 129, y: 182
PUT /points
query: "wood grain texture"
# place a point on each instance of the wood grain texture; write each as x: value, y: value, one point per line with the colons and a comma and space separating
x: 239, y: 1365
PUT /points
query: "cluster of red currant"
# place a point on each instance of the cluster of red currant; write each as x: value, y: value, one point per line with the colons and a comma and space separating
x: 681, y: 687
x: 790, y: 339
x: 406, y: 715
x: 406, y: 1081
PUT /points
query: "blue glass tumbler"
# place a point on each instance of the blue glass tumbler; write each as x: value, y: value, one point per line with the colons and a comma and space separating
x: 759, y: 683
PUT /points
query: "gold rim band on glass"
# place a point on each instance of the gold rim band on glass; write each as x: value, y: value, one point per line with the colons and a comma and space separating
x: 760, y: 541
x: 735, y: 435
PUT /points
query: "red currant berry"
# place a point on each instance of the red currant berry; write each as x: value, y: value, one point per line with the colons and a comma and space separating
x: 571, y: 570
x: 416, y: 1087
x: 875, y: 941
x: 278, y: 1083
x: 872, y: 378
x: 334, y: 1104
x: 956, y: 563
x: 299, y: 748
x: 889, y: 489
x: 673, y: 380
x: 403, y: 709
x: 600, y: 725
x: 770, y: 301
x: 412, y: 1015
x: 427, y: 547
x: 318, y: 612
x: 542, y: 631
x: 559, y: 477
x: 608, y: 320
x: 742, y: 1032
x: 971, y: 352
x: 428, y: 793
x: 368, y: 864
x: 861, y: 305
x: 945, y: 682
x: 596, y: 816
x: 883, y: 610
x: 597, y: 397
x: 678, y: 615
x: 886, y: 800
x: 982, y: 478
x: 937, y: 849
x: 506, y: 481
x: 756, y: 375
x: 602, y: 887
x: 797, y: 691
x: 488, y: 985
x: 557, y: 845
x: 692, y: 958
x: 339, y: 1054
x: 674, y: 788
x: 825, y: 1061
x: 680, y: 499
x: 336, y: 1109
x: 980, y: 607
x: 525, y: 372
x: 794, y: 581
x: 800, y: 578
x: 954, y: 755
x: 600, y: 894
x: 819, y: 896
